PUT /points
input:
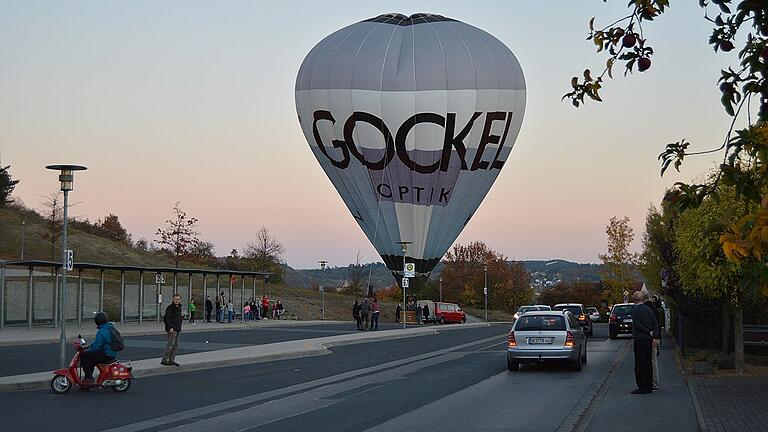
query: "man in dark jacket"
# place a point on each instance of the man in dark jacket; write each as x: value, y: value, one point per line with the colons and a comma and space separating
x: 356, y: 313
x: 100, y: 351
x: 656, y: 341
x: 644, y: 329
x: 172, y: 321
x: 208, y: 308
x: 425, y: 313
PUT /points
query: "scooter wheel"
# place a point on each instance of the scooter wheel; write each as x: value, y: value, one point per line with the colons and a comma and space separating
x: 60, y: 384
x: 122, y: 387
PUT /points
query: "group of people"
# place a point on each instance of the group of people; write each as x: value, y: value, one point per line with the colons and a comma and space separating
x: 223, y: 310
x: 646, y: 330
x: 422, y: 312
x: 366, y: 313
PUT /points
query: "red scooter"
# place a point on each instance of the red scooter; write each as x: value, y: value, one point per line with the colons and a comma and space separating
x: 114, y: 375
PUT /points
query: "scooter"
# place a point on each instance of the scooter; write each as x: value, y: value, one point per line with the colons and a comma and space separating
x: 115, y: 375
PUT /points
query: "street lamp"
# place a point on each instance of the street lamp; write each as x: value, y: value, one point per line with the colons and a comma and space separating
x: 403, y: 249
x: 67, y: 179
x: 441, y: 288
x: 23, y: 235
x: 322, y: 287
x: 485, y: 289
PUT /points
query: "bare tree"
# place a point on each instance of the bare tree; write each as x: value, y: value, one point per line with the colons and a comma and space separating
x: 53, y: 212
x: 179, y: 234
x: 266, y: 253
x: 355, y: 278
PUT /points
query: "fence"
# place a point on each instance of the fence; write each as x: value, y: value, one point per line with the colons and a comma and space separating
x: 30, y: 290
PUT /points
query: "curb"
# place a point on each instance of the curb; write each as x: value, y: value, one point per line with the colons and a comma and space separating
x: 303, y: 348
x: 699, y: 414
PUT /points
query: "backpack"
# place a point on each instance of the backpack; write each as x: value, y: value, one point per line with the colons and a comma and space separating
x: 117, y: 344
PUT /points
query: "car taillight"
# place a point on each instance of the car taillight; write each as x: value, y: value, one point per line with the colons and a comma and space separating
x: 582, y: 317
x: 613, y: 318
x: 511, y: 340
x: 569, y: 341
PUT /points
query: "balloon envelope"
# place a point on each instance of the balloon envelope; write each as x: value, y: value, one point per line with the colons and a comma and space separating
x: 412, y: 119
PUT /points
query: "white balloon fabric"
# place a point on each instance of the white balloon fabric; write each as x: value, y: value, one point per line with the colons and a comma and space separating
x: 412, y: 118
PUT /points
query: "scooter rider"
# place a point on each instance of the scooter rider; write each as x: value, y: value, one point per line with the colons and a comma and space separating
x: 100, y: 351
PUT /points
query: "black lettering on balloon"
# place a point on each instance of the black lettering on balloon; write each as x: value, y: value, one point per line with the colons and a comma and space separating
x: 402, y: 135
x: 403, y: 191
x: 418, y: 193
x: 444, y: 194
x: 487, y: 138
x: 389, y: 190
x: 326, y: 115
x: 349, y: 128
x: 455, y: 141
x: 497, y: 164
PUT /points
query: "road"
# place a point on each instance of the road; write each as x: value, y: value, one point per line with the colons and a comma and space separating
x: 455, y: 380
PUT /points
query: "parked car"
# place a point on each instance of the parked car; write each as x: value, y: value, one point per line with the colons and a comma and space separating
x: 546, y: 336
x: 578, y: 310
x: 620, y: 320
x: 544, y: 307
x: 594, y: 314
x: 449, y: 312
x: 523, y: 309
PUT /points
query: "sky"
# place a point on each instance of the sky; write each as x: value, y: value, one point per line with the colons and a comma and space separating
x: 193, y: 101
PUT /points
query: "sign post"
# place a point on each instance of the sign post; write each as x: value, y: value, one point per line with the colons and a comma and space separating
x: 159, y: 281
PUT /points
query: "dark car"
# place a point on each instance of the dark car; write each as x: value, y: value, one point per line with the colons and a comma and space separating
x: 580, y: 312
x: 620, y: 321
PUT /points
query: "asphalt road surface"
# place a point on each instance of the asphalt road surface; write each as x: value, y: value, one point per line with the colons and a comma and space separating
x: 456, y: 380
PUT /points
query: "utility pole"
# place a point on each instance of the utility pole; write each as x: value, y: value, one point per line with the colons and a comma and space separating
x: 441, y: 288
x: 485, y: 289
x: 322, y: 287
x: 23, y: 236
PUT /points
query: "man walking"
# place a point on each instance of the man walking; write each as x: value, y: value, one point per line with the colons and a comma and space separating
x: 192, y: 308
x: 208, y: 308
x: 365, y: 309
x: 375, y: 310
x: 172, y: 321
x: 356, y: 313
x: 644, y: 327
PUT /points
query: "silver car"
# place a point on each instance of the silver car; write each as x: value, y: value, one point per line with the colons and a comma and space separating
x: 543, y: 336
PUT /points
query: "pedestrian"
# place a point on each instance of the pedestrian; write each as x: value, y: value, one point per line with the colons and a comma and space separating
x: 656, y: 342
x: 365, y: 310
x: 425, y: 313
x: 192, y: 307
x: 246, y: 312
x: 279, y: 310
x: 375, y: 310
x: 418, y: 314
x: 398, y: 311
x: 230, y: 312
x: 644, y: 329
x: 221, y: 307
x: 208, y: 308
x: 264, y: 306
x: 172, y: 320
x: 255, y: 310
x: 356, y: 313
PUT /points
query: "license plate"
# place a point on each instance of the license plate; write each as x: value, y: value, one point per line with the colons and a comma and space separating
x: 540, y: 340
x: 628, y: 320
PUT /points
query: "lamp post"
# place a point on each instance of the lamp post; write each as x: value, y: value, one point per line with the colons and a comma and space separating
x: 23, y: 235
x: 403, y: 249
x: 67, y: 179
x: 485, y: 289
x: 322, y: 287
x: 441, y: 288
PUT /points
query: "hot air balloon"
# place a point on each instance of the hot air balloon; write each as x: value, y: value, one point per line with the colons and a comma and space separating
x: 412, y: 118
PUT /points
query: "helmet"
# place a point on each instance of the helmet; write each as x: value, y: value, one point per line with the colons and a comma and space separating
x: 101, y: 318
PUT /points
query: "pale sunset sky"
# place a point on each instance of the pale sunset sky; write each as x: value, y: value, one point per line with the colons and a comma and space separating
x: 193, y: 101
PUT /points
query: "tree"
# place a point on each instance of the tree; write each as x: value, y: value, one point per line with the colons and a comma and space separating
x: 179, y: 234
x: 355, y: 278
x: 618, y: 264
x: 586, y: 293
x: 113, y: 229
x: 266, y: 254
x: 7, y: 184
x: 53, y: 212
x: 142, y: 245
x: 464, y: 278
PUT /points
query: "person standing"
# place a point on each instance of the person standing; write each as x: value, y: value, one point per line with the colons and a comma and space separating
x: 208, y: 308
x: 644, y: 327
x: 172, y: 320
x: 418, y: 314
x: 398, y: 311
x: 192, y: 307
x: 365, y: 310
x: 230, y: 312
x: 246, y: 312
x: 356, y: 313
x: 221, y: 307
x: 264, y: 306
x: 425, y: 313
x: 375, y: 310
x: 656, y: 342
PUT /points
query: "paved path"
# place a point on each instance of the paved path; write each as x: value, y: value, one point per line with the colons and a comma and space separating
x: 732, y: 404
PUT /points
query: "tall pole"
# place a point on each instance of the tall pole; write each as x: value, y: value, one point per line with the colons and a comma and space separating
x: 441, y: 288
x: 23, y: 236
x: 63, y: 296
x: 405, y: 247
x: 322, y: 287
x: 485, y: 289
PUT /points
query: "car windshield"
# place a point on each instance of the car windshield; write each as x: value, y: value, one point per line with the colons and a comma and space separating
x: 623, y: 309
x: 540, y: 322
x: 593, y: 310
x: 545, y: 308
x: 576, y: 310
x: 526, y: 309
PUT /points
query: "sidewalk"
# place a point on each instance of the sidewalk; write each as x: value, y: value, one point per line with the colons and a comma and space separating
x: 731, y: 403
x: 670, y: 409
x: 25, y: 336
x: 243, y: 355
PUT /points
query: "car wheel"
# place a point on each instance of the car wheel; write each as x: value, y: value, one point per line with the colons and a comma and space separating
x: 463, y: 320
x: 442, y: 320
x: 576, y: 366
x: 512, y: 365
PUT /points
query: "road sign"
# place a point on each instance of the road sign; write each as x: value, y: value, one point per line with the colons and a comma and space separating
x: 405, y: 282
x: 70, y: 260
x: 410, y: 270
x: 159, y: 298
x: 159, y: 279
x: 485, y: 290
x: 322, y: 288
